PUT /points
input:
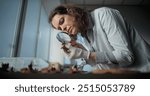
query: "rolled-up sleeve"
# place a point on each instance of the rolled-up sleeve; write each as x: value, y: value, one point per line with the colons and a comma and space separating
x: 114, y: 26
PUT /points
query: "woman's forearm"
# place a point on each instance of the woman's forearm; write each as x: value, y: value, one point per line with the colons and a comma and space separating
x: 92, y: 56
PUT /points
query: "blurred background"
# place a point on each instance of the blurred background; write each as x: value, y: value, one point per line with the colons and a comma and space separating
x: 25, y: 31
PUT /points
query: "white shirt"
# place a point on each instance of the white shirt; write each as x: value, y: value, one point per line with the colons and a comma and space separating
x: 116, y: 43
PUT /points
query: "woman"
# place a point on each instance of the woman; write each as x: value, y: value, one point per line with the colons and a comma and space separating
x: 111, y: 42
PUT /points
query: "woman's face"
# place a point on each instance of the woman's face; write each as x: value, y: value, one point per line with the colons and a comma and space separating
x: 65, y: 23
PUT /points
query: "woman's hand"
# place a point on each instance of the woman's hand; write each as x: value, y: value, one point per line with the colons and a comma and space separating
x: 74, y: 52
x: 77, y: 45
x: 73, y: 43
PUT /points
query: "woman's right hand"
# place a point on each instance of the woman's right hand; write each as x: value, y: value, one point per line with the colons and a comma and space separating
x: 74, y: 52
x: 77, y: 45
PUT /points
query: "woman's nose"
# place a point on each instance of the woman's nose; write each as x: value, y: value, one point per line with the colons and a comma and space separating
x: 63, y: 28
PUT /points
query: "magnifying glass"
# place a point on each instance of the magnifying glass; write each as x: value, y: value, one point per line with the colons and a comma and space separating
x: 63, y: 37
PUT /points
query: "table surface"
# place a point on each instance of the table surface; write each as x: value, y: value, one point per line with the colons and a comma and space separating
x: 17, y: 75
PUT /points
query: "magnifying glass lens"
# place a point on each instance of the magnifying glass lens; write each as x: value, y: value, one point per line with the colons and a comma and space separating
x: 63, y: 37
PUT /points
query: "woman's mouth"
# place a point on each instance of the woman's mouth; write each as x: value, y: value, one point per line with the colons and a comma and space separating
x: 70, y: 30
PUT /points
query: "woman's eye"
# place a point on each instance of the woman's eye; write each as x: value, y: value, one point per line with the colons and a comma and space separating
x: 61, y: 21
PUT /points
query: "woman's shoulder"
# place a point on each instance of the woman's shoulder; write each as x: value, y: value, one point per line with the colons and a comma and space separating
x: 103, y: 9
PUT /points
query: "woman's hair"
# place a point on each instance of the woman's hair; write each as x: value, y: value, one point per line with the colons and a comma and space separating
x: 80, y: 15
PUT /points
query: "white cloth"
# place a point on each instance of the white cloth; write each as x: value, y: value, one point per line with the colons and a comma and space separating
x: 116, y: 43
x: 76, y: 53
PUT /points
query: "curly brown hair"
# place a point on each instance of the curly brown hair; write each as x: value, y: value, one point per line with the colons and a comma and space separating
x: 79, y: 14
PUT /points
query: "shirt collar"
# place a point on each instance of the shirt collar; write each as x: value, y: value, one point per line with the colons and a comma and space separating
x: 91, y: 24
